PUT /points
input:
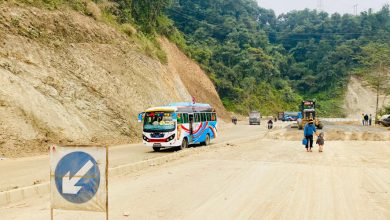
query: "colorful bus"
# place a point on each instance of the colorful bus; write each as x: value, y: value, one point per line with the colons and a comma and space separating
x: 178, y: 125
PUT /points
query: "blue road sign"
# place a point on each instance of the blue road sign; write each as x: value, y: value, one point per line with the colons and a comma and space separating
x: 77, y: 177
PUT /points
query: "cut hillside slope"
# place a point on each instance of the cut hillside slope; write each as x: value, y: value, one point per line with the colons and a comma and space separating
x: 361, y: 99
x: 194, y: 78
x: 66, y: 78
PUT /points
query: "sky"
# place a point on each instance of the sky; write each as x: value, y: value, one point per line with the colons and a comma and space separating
x: 330, y: 6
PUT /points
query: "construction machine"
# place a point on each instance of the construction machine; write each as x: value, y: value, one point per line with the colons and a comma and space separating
x: 308, y: 112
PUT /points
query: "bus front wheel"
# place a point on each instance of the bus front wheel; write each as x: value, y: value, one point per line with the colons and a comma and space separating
x: 184, y: 144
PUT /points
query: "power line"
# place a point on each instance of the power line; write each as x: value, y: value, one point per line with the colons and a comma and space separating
x: 291, y: 36
x: 320, y: 5
x: 191, y: 18
x: 205, y: 22
x: 317, y: 33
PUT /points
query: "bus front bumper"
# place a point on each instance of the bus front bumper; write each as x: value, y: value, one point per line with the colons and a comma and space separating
x: 162, y: 144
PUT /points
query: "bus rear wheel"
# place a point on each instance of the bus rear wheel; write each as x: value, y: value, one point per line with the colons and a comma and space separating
x: 207, y: 141
x: 184, y: 144
x: 156, y: 149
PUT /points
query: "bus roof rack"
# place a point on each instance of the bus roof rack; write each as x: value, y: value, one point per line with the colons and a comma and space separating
x: 188, y: 104
x: 191, y: 107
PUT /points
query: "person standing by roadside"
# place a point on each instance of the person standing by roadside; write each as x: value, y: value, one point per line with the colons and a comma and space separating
x: 370, y: 120
x: 366, y: 119
x: 308, y: 132
x: 363, y: 119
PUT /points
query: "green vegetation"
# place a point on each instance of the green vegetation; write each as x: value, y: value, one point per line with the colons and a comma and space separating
x: 260, y: 61
x: 257, y: 61
x: 385, y: 111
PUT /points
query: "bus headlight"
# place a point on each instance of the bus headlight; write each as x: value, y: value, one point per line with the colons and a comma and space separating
x: 145, y: 138
x: 171, y: 137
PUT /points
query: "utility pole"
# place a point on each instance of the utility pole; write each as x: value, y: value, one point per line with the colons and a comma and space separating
x: 378, y: 87
x: 355, y: 9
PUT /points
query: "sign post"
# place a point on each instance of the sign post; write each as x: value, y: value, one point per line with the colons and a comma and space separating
x: 79, y: 178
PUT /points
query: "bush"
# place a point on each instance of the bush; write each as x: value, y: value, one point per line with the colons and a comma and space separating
x: 151, y: 47
x: 50, y: 4
x: 128, y: 29
x: 385, y: 110
x: 93, y: 10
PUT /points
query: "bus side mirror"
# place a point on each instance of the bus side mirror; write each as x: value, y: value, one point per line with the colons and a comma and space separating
x: 140, y: 116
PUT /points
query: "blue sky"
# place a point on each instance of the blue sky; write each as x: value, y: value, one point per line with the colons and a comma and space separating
x: 331, y: 6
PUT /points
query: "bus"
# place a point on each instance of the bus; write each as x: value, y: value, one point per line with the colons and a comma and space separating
x: 178, y: 125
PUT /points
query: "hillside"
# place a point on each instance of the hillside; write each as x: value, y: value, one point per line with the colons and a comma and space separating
x: 67, y: 78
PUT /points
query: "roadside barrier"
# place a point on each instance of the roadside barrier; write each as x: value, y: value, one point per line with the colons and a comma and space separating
x: 340, y: 119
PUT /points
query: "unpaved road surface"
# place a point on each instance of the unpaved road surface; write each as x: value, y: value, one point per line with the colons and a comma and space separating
x: 257, y: 179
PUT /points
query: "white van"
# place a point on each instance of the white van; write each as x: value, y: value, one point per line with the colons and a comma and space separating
x: 254, y: 118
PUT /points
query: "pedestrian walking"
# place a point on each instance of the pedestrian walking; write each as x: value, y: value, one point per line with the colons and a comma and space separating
x: 363, y: 119
x: 370, y: 120
x: 321, y: 141
x: 308, y: 132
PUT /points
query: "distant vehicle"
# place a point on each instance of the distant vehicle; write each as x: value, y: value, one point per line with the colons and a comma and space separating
x: 290, y: 116
x: 254, y: 118
x: 384, y: 117
x: 385, y: 120
x: 178, y: 125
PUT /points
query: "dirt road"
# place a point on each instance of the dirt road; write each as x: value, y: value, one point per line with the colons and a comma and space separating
x: 263, y: 179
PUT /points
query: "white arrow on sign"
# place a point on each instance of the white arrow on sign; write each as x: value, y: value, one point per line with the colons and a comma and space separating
x: 69, y: 184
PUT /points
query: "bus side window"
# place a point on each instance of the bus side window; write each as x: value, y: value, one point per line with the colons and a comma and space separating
x: 185, y: 118
x: 208, y: 116
x: 197, y: 117
x: 203, y: 117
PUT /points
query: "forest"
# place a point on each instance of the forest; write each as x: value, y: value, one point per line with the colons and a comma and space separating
x: 262, y: 61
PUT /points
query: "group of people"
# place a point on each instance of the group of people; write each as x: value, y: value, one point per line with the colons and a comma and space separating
x: 309, y: 131
x: 366, y: 119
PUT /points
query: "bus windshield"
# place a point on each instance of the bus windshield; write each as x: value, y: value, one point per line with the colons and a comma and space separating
x: 158, y: 122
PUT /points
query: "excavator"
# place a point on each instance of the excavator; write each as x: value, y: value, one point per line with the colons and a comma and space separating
x: 308, y: 112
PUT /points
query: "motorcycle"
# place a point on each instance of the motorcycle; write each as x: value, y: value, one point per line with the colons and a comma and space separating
x: 234, y: 121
